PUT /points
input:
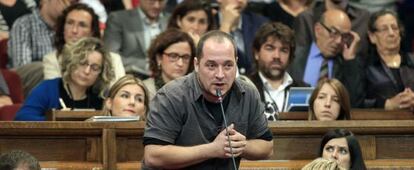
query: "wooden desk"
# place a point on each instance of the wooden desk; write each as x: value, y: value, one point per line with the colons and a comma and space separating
x: 103, y: 145
x: 358, y: 114
x: 59, y: 115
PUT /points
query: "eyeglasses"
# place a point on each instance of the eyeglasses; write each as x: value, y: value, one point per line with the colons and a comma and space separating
x: 385, y: 29
x: 333, y: 32
x: 173, y: 57
x: 95, y: 68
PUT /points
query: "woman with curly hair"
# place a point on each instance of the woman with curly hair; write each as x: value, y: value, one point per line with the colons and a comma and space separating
x: 86, y: 73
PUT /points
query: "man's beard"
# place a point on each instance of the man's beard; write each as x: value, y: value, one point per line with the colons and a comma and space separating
x: 272, y: 74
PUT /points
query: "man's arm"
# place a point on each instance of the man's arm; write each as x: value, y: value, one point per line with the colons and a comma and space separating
x: 19, y: 49
x: 258, y: 149
x: 113, y: 33
x: 175, y: 157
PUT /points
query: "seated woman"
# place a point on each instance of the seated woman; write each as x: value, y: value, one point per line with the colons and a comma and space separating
x: 389, y: 72
x: 341, y: 146
x: 86, y: 73
x: 77, y: 21
x: 171, y: 56
x: 192, y: 17
x: 127, y: 97
x: 329, y: 101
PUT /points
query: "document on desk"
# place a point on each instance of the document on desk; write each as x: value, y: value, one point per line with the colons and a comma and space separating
x: 113, y: 119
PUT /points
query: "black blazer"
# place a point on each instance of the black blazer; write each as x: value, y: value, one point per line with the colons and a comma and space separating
x: 380, y: 84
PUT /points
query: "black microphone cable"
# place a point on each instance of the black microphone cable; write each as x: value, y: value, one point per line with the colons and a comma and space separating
x: 218, y: 93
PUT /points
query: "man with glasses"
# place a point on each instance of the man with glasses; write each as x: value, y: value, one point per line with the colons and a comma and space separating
x: 304, y: 22
x: 129, y: 33
x: 332, y: 55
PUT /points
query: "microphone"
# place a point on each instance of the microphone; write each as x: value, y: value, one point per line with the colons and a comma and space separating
x: 218, y: 94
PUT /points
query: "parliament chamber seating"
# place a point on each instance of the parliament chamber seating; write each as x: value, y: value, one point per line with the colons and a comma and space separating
x: 386, y: 144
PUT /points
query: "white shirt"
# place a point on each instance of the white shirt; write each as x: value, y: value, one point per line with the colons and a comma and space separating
x: 277, y: 95
x: 151, y: 29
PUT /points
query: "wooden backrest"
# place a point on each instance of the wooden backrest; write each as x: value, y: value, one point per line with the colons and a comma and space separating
x: 358, y: 114
x: 69, y: 115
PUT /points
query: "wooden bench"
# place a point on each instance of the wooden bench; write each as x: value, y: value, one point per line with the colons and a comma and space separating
x: 358, y: 114
x: 118, y: 145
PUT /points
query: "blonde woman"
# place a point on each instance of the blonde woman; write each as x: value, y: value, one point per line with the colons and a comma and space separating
x: 127, y: 97
x: 86, y: 73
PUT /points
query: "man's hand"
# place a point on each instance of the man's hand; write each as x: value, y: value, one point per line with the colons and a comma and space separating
x: 349, y: 53
x: 230, y: 18
x: 238, y: 143
x: 4, y: 35
x: 403, y: 100
x: 5, y: 100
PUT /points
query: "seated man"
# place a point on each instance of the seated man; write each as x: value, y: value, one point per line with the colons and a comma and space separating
x: 241, y: 24
x: 332, y: 55
x: 304, y: 22
x: 273, y: 48
x: 185, y: 126
x: 18, y: 160
x: 129, y: 33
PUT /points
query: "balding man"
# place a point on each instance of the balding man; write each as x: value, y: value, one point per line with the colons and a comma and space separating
x: 332, y: 55
x: 304, y: 22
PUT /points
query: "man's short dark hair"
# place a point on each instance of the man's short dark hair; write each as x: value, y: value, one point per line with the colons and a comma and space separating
x: 218, y: 36
x: 15, y: 158
x: 277, y: 31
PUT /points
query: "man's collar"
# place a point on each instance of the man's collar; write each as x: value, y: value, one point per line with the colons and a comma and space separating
x: 286, y: 81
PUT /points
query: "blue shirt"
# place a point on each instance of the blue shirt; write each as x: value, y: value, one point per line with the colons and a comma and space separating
x: 313, y: 66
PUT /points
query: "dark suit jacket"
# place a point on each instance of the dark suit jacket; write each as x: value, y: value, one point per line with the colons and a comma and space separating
x: 250, y: 24
x: 124, y: 35
x: 349, y: 73
x: 305, y: 22
x: 382, y: 85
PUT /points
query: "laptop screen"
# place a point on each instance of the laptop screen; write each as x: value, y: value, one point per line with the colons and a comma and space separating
x: 298, y: 98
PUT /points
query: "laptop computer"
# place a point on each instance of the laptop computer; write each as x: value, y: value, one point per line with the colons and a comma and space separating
x: 298, y: 99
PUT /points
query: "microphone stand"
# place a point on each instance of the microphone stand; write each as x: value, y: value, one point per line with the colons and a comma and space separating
x: 218, y: 93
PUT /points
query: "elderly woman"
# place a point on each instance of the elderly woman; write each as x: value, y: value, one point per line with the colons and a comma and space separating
x: 77, y: 21
x: 329, y: 101
x: 341, y: 146
x: 171, y: 56
x: 389, y: 73
x: 127, y: 97
x: 193, y: 17
x: 86, y: 73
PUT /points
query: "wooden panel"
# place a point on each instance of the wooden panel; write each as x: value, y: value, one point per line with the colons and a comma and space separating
x: 109, y: 148
x: 295, y: 147
x: 395, y: 147
x: 50, y: 149
x: 368, y: 146
x: 358, y: 114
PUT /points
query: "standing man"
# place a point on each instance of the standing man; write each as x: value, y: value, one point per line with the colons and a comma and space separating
x: 242, y: 25
x: 333, y: 54
x: 273, y: 48
x: 185, y: 128
x: 129, y: 33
